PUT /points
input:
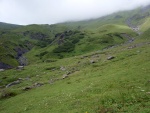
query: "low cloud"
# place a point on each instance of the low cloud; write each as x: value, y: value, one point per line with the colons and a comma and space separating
x: 55, y: 11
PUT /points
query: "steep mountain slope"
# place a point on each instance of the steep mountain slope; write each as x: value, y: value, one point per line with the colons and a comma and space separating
x: 54, y: 41
x: 94, y: 66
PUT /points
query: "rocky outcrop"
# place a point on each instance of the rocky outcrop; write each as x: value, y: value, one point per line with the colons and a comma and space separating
x: 20, y: 51
x: 5, y: 66
x: 37, y: 35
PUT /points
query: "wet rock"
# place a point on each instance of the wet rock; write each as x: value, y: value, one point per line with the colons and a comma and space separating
x: 13, y: 83
x: 110, y: 57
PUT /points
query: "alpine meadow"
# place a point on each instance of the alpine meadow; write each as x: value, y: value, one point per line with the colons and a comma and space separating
x: 98, y: 65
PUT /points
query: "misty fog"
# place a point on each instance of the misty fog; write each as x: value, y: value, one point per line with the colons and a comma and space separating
x: 55, y: 11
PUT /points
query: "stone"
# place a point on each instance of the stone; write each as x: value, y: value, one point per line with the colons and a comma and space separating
x: 92, y: 61
x: 148, y: 92
x: 13, y: 83
x: 38, y: 84
x: 20, y: 68
x: 110, y: 57
x: 21, y: 79
x: 2, y: 70
x: 65, y: 76
x: 62, y: 68
x: 27, y: 88
x: 51, y: 81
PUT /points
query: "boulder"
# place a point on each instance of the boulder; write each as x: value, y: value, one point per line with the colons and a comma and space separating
x: 110, y: 57
x: 92, y: 61
x: 65, y: 76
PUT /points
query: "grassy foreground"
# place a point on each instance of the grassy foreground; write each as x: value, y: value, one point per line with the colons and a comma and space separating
x: 118, y: 85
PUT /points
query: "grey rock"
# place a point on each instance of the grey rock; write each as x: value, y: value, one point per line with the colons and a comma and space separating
x: 20, y: 68
x: 110, y: 57
x: 62, y: 68
x: 65, y: 76
x: 92, y: 61
x: 51, y: 81
x: 21, y: 79
x: 2, y: 70
x: 27, y: 88
x: 13, y: 83
x: 38, y: 84
x: 147, y: 92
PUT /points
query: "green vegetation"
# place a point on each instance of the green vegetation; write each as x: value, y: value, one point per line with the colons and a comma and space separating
x: 8, y: 26
x: 101, y: 66
x: 145, y: 25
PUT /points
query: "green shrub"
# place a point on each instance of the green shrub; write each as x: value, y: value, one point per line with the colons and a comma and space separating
x: 66, y: 47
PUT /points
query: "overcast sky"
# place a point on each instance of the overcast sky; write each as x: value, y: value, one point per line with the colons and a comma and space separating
x: 55, y: 11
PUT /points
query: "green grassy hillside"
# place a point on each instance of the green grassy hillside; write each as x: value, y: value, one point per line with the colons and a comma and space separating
x: 95, y: 66
x: 145, y: 25
x: 117, y: 85
x: 8, y: 26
